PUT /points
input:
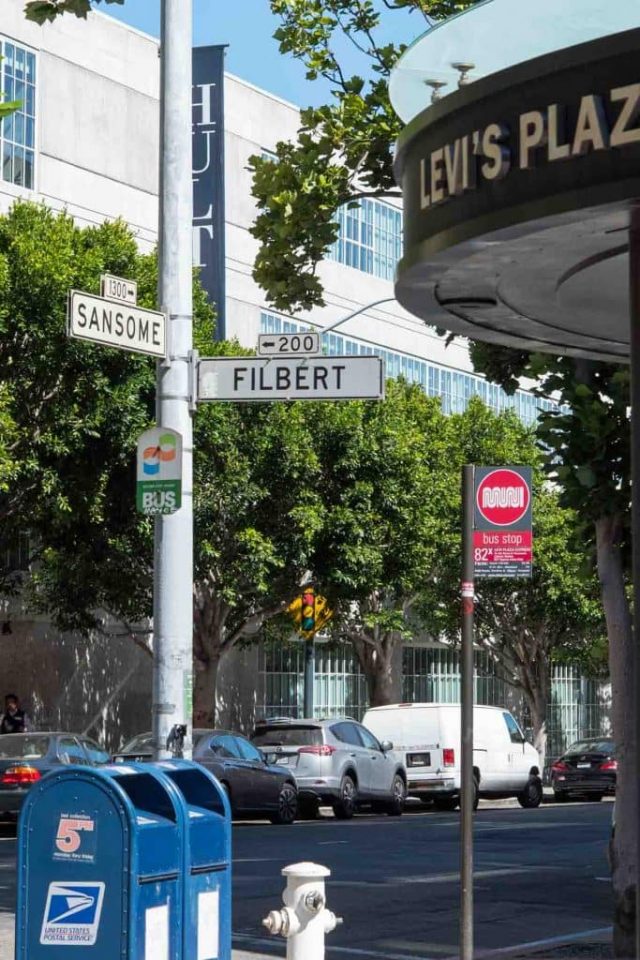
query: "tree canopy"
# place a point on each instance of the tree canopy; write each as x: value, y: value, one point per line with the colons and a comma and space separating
x: 42, y: 11
x: 344, y: 150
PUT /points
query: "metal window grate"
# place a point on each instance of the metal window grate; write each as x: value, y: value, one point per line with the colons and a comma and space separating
x: 340, y: 687
x: 580, y: 706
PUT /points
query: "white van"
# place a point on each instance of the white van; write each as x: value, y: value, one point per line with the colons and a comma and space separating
x: 426, y: 737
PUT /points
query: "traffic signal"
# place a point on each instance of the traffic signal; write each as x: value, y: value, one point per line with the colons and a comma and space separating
x: 308, y: 612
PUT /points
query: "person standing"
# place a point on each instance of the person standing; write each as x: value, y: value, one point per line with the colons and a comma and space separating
x: 14, y: 719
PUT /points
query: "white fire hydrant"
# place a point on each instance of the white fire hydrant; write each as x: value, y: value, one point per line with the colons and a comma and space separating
x: 304, y: 919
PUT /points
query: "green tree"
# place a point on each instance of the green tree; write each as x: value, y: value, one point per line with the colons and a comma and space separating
x: 42, y: 11
x: 71, y: 419
x: 388, y: 555
x: 380, y: 488
x: 524, y: 624
x: 344, y: 150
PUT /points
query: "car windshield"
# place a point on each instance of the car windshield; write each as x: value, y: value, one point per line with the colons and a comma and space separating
x: 591, y: 746
x: 287, y: 736
x: 28, y: 747
x: 140, y: 744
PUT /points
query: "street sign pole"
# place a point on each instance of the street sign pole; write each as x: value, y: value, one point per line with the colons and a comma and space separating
x: 309, y: 676
x: 173, y: 552
x: 466, y: 699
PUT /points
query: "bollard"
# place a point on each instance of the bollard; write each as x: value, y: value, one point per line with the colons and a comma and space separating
x: 304, y: 920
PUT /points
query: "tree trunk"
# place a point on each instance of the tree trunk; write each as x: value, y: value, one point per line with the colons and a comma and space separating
x: 536, y: 686
x: 621, y: 657
x: 205, y: 675
x: 377, y: 665
x: 538, y: 710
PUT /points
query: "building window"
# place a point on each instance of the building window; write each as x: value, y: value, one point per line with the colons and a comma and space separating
x: 18, y: 131
x: 454, y: 388
x: 369, y: 238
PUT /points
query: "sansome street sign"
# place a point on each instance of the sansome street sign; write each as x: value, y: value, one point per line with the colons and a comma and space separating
x: 257, y: 379
x: 287, y: 344
x: 116, y: 325
x: 502, y: 538
x: 159, y: 471
x: 117, y: 288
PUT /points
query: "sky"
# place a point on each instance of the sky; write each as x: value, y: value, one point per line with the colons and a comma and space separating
x: 248, y: 27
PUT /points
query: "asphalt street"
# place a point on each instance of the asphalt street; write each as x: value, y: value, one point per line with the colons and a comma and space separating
x: 540, y: 875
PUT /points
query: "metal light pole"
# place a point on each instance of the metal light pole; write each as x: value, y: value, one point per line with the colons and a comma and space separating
x: 467, y: 793
x: 173, y: 552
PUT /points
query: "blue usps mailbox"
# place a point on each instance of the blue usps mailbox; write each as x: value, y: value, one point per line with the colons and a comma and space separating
x: 207, y: 861
x: 100, y: 864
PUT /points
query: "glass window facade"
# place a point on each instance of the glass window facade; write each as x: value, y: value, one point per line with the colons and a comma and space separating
x: 454, y: 387
x: 18, y: 131
x: 370, y: 238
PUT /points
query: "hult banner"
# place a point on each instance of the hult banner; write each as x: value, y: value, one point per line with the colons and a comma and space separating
x: 208, y: 175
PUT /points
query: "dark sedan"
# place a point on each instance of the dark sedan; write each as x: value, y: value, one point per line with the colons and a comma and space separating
x: 588, y: 768
x: 26, y: 757
x: 254, y: 787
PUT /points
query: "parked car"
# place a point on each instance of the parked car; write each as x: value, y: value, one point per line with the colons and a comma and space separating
x: 254, y: 786
x: 26, y: 757
x: 588, y: 768
x: 426, y: 738
x: 337, y: 762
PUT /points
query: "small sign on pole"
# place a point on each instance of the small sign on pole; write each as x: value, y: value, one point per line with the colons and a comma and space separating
x: 502, y: 535
x: 288, y: 344
x: 159, y: 472
x: 117, y: 288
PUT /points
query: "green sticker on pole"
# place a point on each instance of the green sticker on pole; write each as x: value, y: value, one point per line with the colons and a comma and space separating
x: 159, y: 472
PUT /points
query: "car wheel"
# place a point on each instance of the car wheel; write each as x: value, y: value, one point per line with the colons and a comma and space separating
x: 399, y: 792
x: 560, y: 796
x: 594, y: 797
x: 308, y: 809
x: 532, y: 794
x: 287, y: 805
x: 345, y: 806
x: 446, y: 804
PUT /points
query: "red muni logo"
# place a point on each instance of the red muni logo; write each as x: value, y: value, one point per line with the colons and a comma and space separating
x: 503, y: 497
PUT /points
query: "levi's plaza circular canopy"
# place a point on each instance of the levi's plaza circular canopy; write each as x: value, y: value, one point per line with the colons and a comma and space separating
x: 518, y: 186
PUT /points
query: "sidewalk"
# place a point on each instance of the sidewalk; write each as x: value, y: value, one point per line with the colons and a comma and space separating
x: 7, y: 942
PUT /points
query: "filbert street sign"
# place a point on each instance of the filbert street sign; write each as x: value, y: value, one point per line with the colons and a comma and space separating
x: 262, y: 379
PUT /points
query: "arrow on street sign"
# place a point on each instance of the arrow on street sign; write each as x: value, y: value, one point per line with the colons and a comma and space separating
x: 262, y: 379
x: 113, y: 324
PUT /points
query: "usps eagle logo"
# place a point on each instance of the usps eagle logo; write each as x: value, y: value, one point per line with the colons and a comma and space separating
x: 72, y: 913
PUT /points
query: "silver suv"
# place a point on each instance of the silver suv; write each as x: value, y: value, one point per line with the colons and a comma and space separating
x: 337, y: 762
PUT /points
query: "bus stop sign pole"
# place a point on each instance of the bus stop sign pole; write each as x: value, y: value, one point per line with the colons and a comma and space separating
x: 467, y: 792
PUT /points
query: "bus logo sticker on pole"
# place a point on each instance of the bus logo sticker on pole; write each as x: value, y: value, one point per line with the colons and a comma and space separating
x: 502, y: 537
x: 159, y: 472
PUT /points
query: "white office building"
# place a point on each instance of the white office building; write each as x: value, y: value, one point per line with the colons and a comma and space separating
x: 86, y: 140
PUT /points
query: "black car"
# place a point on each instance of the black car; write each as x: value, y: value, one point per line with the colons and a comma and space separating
x: 588, y: 768
x: 254, y: 786
x: 26, y: 757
